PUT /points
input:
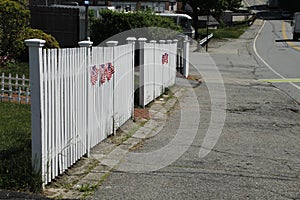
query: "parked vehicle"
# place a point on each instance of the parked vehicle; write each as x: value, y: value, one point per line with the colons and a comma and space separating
x: 183, y: 20
x: 296, y: 26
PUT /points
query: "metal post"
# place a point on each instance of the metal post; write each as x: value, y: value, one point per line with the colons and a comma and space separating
x: 86, y: 4
x: 207, y: 20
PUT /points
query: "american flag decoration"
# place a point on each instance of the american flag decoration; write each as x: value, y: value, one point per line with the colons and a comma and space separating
x: 165, y: 58
x: 102, y: 74
x: 106, y: 71
x: 94, y: 74
x: 110, y: 71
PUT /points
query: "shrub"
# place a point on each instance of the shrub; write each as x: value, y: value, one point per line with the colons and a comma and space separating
x: 111, y: 23
x: 51, y: 42
x: 14, y: 20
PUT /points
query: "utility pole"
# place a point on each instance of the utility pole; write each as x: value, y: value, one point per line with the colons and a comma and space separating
x: 86, y: 4
x: 207, y: 20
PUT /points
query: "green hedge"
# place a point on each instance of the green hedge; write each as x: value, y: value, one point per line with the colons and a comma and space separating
x: 112, y: 23
x: 14, y: 18
x: 30, y: 33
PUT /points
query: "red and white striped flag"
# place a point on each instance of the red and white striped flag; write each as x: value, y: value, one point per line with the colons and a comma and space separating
x: 109, y: 74
x: 102, y: 74
x: 165, y: 58
x: 94, y: 75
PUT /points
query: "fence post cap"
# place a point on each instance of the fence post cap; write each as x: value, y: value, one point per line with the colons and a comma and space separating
x: 175, y: 41
x: 35, y: 42
x: 162, y: 41
x: 153, y: 41
x: 142, y: 39
x: 131, y: 39
x: 85, y: 43
x: 112, y: 43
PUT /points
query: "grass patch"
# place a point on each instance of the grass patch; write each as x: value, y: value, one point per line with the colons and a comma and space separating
x: 232, y: 32
x: 15, y: 148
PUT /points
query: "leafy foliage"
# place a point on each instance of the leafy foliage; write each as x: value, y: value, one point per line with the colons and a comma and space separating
x: 111, y: 23
x: 14, y: 18
x: 290, y: 5
x: 14, y: 29
x: 216, y: 5
x: 30, y: 33
x: 231, y: 4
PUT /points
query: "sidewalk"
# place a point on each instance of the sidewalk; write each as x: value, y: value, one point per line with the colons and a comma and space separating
x: 90, y: 172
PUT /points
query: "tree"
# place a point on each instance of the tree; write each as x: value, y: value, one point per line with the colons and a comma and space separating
x: 231, y: 4
x: 205, y: 7
x: 290, y: 5
x: 14, y: 19
x: 115, y: 22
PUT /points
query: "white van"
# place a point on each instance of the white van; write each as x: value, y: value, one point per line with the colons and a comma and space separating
x: 183, y: 20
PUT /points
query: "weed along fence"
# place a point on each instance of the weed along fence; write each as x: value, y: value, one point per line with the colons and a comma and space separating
x: 14, y: 88
x: 79, y: 96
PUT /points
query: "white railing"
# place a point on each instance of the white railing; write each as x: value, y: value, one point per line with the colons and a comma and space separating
x: 14, y: 89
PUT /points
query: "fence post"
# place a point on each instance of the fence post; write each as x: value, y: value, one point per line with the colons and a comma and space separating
x: 87, y: 44
x: 186, y: 54
x: 35, y: 65
x: 175, y: 52
x: 153, y: 42
x: 163, y: 68
x: 142, y: 42
x: 113, y: 44
x: 169, y: 42
x: 131, y: 40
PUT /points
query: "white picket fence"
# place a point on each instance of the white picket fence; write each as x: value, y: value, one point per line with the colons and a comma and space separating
x: 79, y: 96
x: 74, y: 105
x: 14, y: 89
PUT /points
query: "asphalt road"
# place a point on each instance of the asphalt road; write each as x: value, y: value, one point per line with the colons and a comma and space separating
x: 257, y: 155
x: 282, y: 56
